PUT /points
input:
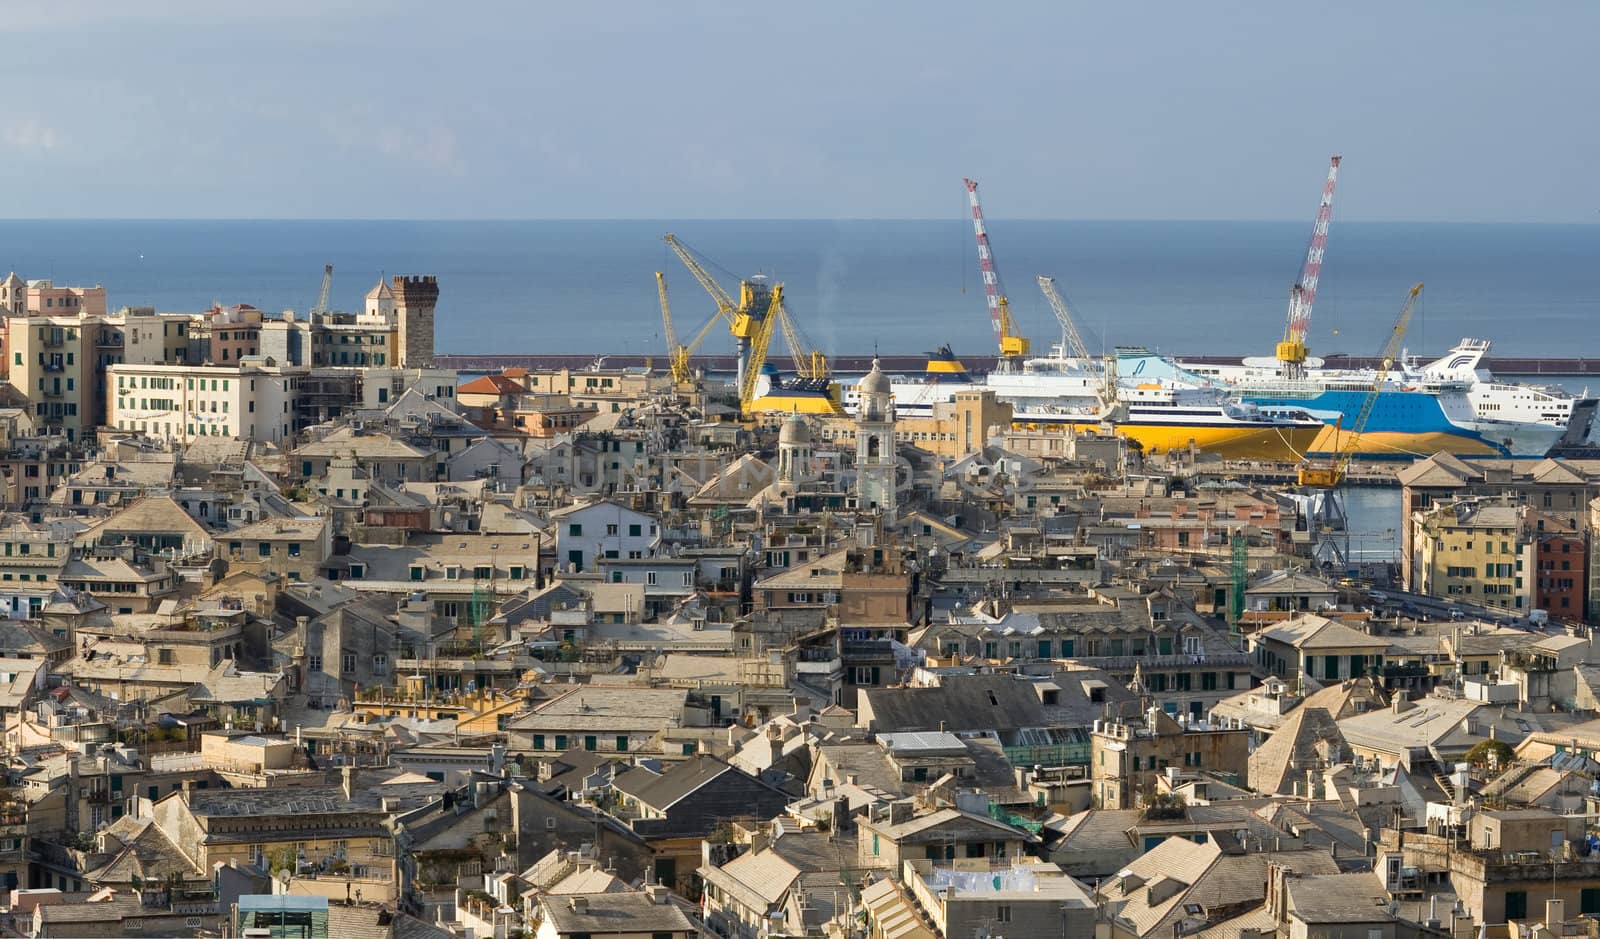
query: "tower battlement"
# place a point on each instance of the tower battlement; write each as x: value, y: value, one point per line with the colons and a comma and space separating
x: 415, y: 297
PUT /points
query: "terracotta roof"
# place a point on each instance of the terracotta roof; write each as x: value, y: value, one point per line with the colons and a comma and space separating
x: 491, y: 385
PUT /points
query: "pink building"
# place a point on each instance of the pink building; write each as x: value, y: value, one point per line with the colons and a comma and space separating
x: 235, y: 331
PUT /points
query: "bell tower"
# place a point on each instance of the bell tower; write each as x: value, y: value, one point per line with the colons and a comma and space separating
x: 875, y: 457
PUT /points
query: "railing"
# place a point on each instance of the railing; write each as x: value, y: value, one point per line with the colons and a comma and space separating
x: 1058, y: 754
x: 1001, y: 814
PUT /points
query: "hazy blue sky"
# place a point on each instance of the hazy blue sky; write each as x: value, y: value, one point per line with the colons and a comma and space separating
x: 302, y: 108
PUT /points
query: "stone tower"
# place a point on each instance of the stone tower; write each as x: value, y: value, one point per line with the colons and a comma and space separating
x: 794, y: 451
x: 875, y: 460
x: 414, y: 300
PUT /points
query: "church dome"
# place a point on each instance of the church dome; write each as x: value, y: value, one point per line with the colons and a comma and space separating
x: 875, y: 382
x: 794, y: 432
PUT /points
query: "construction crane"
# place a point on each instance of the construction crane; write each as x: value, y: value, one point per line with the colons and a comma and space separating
x: 745, y: 316
x: 322, y: 298
x: 1071, y: 341
x: 758, y: 350
x: 1012, y: 346
x: 1292, y: 350
x: 1330, y: 475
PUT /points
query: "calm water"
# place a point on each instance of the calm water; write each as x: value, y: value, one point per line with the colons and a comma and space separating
x: 902, y: 286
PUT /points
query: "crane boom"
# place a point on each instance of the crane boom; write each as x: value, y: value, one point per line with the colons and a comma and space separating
x: 1071, y: 340
x: 322, y: 297
x: 1327, y: 477
x: 808, y: 362
x: 666, y: 312
x: 1292, y: 350
x: 677, y: 355
x: 725, y: 304
x: 1012, y: 346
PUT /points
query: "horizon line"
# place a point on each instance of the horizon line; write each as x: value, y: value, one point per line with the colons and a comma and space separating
x: 847, y: 218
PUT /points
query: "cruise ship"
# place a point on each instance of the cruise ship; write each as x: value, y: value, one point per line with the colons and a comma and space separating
x: 1055, y: 393
x: 1452, y: 404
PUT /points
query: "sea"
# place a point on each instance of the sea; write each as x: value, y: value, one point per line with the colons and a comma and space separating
x: 856, y: 285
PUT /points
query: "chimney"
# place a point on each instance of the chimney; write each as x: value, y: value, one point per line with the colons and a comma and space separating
x: 1555, y: 915
x: 658, y: 894
x: 347, y: 780
x: 580, y: 904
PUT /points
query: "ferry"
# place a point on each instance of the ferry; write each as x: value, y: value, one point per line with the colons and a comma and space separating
x: 1451, y: 404
x: 1055, y: 394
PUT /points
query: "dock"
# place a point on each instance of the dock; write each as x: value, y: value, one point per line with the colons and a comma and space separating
x: 913, y: 364
x: 1273, y: 473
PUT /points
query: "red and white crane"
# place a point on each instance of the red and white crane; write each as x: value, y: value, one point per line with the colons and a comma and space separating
x: 1012, y: 346
x: 1292, y: 350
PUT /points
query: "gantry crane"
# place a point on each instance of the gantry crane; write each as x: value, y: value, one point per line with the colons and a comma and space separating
x: 1292, y: 350
x: 745, y: 317
x: 1071, y: 341
x: 1330, y: 475
x: 1013, y: 347
x: 679, y: 355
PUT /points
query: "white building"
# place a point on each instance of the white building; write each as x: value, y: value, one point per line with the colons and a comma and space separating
x: 588, y: 533
x: 254, y: 400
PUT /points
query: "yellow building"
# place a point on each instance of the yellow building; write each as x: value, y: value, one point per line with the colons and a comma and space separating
x: 59, y: 362
x: 956, y: 428
x: 276, y: 826
x: 478, y: 712
x: 1472, y: 551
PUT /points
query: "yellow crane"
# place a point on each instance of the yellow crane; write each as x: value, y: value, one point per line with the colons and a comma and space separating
x: 679, y: 355
x: 746, y: 316
x: 758, y: 350
x: 1329, y: 476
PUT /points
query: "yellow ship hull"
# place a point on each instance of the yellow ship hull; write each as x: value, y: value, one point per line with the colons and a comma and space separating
x: 1241, y: 442
x: 808, y: 404
x: 1399, y: 445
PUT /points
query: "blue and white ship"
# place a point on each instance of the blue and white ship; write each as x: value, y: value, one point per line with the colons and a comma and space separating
x: 1452, y: 404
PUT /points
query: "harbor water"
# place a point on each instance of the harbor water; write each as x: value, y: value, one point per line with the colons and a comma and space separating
x: 900, y: 286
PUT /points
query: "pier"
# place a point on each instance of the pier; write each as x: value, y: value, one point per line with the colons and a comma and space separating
x: 1272, y: 473
x: 902, y: 363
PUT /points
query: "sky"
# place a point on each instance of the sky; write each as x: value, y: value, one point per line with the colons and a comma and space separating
x: 1443, y: 111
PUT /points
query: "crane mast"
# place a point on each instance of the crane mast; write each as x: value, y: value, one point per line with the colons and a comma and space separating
x: 758, y: 350
x: 1292, y: 350
x: 1012, y: 346
x: 1071, y: 340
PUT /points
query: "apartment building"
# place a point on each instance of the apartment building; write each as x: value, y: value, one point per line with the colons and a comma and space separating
x: 59, y: 361
x: 254, y: 400
x: 1473, y: 550
x: 20, y: 297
